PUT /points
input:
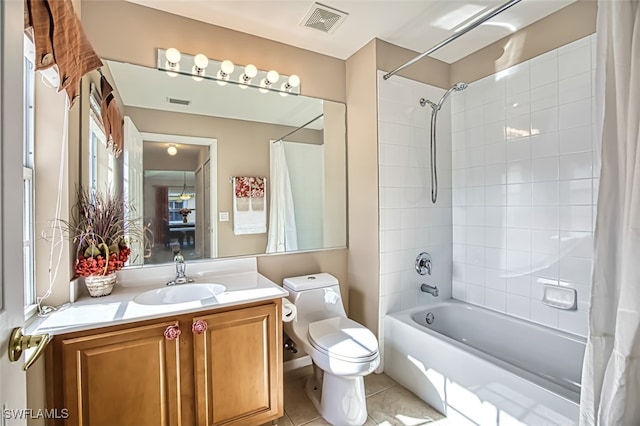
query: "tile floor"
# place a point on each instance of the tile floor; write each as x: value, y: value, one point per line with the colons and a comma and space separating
x: 388, y: 403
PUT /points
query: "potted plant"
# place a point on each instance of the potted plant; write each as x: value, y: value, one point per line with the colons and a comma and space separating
x: 101, y: 234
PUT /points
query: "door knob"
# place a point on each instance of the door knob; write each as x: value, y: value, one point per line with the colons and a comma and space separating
x: 18, y: 343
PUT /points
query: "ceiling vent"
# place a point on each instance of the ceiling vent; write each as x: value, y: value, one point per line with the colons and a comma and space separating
x: 323, y: 18
x: 178, y: 101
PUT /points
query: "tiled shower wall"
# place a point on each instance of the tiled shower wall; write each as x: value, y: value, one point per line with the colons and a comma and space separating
x: 409, y: 222
x: 525, y: 173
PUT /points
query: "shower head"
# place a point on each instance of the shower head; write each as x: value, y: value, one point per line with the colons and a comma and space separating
x: 436, y: 107
x: 460, y: 86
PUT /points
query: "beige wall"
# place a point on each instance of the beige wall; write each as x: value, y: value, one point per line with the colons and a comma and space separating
x: 362, y: 173
x: 428, y: 70
x: 568, y: 24
x: 335, y: 174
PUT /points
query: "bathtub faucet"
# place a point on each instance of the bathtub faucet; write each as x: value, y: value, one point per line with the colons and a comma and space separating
x: 431, y: 289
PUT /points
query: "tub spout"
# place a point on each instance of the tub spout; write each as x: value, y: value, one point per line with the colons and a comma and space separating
x: 431, y: 289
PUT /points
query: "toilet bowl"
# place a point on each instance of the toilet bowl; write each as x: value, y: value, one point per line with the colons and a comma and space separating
x: 342, y: 350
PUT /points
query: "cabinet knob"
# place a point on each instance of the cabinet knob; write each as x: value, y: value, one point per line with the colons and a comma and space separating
x: 172, y: 332
x: 199, y: 327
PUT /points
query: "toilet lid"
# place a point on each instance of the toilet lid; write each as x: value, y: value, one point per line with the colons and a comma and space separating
x: 344, y: 339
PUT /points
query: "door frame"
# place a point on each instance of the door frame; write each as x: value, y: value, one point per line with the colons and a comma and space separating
x: 212, y: 143
x: 12, y: 379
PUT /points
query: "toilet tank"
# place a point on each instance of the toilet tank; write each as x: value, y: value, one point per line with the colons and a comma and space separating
x: 316, y: 296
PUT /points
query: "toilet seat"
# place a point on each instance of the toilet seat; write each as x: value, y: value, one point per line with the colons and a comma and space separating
x: 343, y: 339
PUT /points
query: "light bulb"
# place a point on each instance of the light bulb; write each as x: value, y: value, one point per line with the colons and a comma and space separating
x: 201, y: 61
x: 294, y: 81
x: 227, y: 67
x: 173, y: 55
x: 172, y: 150
x: 272, y: 76
x: 250, y: 71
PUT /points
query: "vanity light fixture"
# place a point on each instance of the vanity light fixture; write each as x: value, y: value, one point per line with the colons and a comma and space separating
x: 173, y: 57
x: 174, y: 63
x: 172, y: 150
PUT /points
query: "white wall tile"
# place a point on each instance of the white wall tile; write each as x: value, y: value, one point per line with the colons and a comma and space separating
x: 495, y: 258
x: 575, y: 218
x: 519, y: 149
x: 545, y: 169
x: 575, y: 114
x: 518, y: 306
x: 544, y: 145
x: 524, y: 185
x: 519, y: 217
x: 574, y: 61
x: 577, y: 139
x: 545, y: 193
x: 519, y: 194
x: 544, y: 97
x: 575, y: 88
x: 544, y: 121
x: 544, y: 72
x: 496, y: 300
x: 517, y: 79
x: 546, y: 217
x: 576, y: 192
x: 576, y: 166
x: 519, y: 171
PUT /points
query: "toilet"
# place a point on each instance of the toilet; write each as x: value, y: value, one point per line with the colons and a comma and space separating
x: 342, y: 350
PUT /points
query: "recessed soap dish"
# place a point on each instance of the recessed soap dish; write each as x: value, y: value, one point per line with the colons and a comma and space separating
x: 560, y: 297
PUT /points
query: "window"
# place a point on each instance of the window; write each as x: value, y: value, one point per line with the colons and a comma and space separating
x: 101, y: 164
x: 28, y: 189
x: 174, y: 211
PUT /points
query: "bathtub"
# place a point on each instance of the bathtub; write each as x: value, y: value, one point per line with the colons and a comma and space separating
x: 480, y: 367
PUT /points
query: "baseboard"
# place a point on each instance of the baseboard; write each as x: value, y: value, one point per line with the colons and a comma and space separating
x: 296, y: 363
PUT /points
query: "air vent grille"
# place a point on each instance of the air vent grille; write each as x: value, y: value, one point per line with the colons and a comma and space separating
x: 179, y: 101
x: 323, y: 18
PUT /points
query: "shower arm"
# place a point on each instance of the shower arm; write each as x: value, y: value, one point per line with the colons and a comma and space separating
x: 453, y: 37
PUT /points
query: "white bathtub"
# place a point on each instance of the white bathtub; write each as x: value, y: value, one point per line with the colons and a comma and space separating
x: 480, y: 367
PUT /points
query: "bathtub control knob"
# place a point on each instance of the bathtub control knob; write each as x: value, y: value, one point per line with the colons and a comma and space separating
x: 423, y: 263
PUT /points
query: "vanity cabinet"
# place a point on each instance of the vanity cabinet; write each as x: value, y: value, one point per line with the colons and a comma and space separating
x: 227, y: 370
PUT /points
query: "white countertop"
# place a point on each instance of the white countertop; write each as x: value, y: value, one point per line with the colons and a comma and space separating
x: 240, y: 277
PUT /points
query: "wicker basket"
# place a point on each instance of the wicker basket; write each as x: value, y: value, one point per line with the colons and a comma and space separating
x: 100, y: 285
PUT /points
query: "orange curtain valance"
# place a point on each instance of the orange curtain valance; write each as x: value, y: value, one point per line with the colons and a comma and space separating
x: 60, y: 40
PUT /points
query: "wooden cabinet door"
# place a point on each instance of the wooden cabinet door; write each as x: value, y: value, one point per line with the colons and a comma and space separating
x: 127, y: 378
x: 238, y: 367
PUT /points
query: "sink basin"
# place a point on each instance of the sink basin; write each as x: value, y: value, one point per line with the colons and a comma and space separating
x: 181, y: 293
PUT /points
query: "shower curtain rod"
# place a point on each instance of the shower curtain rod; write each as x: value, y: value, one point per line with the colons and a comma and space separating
x: 443, y: 43
x: 298, y: 128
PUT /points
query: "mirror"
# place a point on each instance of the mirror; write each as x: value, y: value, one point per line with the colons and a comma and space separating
x: 187, y: 143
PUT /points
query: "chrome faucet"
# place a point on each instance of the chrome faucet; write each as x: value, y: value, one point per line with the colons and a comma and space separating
x: 181, y: 267
x: 431, y: 289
